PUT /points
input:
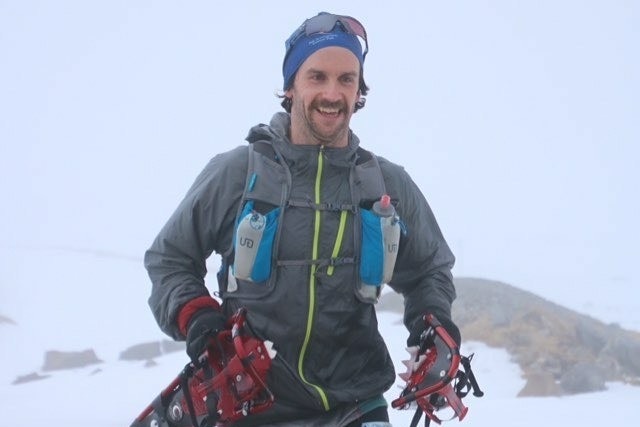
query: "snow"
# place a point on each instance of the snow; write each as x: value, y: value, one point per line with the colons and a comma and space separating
x: 115, y: 392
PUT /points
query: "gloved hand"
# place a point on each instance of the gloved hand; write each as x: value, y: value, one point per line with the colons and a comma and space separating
x: 447, y: 324
x: 204, y: 325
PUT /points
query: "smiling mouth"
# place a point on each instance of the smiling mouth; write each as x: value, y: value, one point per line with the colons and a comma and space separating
x: 328, y: 111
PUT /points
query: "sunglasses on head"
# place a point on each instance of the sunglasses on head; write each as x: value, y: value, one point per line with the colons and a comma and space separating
x: 325, y: 23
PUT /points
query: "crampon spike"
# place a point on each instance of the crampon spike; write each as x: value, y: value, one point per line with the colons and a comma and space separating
x: 438, y: 377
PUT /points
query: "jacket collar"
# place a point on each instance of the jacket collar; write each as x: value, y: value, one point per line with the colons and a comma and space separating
x: 277, y: 133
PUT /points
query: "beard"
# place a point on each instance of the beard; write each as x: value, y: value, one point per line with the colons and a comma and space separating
x: 326, y: 123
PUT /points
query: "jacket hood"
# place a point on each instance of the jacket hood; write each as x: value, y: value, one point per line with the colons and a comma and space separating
x: 277, y: 133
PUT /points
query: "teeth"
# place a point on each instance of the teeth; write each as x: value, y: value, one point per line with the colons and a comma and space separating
x: 270, y: 350
x: 329, y: 110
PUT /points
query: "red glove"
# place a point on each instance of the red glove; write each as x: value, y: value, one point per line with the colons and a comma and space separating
x: 199, y: 320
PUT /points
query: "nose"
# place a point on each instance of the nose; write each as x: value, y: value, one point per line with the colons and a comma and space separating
x: 332, y: 91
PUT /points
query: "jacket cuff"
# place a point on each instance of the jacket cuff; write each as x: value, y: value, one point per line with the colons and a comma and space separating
x: 190, y: 308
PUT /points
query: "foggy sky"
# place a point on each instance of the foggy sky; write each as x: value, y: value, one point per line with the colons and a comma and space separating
x: 518, y: 120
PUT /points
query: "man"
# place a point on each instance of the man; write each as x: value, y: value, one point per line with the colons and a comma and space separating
x: 310, y: 284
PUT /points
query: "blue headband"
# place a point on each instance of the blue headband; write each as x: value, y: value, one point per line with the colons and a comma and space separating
x: 306, y: 45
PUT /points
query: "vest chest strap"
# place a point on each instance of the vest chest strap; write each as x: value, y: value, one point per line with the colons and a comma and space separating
x: 325, y: 262
x: 334, y: 207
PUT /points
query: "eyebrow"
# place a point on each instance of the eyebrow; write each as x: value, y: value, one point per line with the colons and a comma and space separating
x: 318, y: 71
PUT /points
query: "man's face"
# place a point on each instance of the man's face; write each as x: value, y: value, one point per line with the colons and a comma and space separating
x: 324, y: 94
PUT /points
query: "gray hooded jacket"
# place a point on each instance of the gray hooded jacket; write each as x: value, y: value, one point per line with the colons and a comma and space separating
x: 330, y: 353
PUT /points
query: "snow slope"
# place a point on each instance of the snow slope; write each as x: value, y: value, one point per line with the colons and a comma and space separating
x: 121, y: 390
x: 81, y: 316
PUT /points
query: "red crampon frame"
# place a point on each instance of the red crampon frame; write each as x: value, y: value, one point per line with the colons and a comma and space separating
x: 438, y: 382
x: 226, y: 384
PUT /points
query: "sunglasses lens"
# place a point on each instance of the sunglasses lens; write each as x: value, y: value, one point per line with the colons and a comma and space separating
x: 320, y: 24
x: 353, y: 26
x: 325, y: 23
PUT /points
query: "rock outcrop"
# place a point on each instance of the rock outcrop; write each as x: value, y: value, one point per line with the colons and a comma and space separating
x: 559, y: 350
x: 57, y: 360
x: 6, y: 320
x: 150, y: 350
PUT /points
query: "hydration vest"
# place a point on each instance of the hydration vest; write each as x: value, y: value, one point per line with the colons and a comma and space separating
x: 250, y: 262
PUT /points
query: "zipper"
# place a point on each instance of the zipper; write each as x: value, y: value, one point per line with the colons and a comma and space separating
x: 312, y: 285
x: 338, y: 242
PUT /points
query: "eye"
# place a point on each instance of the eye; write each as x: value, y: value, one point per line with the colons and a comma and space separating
x: 317, y: 77
x: 348, y: 79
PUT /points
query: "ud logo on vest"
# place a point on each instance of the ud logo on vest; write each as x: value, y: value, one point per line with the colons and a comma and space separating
x: 247, y: 236
x: 246, y: 242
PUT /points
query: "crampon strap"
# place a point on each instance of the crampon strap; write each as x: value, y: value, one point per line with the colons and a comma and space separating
x: 438, y: 382
x: 226, y: 384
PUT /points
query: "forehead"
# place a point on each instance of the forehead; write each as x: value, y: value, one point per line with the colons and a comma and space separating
x: 332, y: 59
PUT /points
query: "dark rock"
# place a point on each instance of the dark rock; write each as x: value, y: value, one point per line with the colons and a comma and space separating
x: 6, y: 320
x: 625, y: 348
x: 150, y: 363
x: 540, y: 384
x: 591, y: 336
x: 34, y: 376
x: 582, y: 378
x: 150, y: 350
x: 168, y: 346
x: 142, y: 351
x: 58, y: 360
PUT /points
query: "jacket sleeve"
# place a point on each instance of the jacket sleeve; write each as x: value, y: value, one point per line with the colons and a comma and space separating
x: 202, y: 223
x: 422, y: 272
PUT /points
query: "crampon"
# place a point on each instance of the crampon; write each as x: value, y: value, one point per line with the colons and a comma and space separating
x: 438, y: 377
x: 226, y: 384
